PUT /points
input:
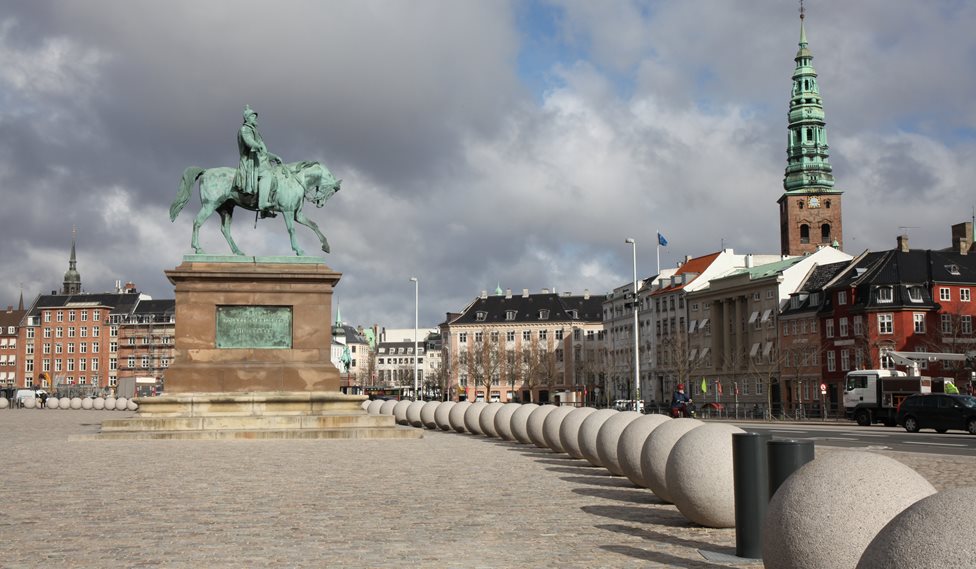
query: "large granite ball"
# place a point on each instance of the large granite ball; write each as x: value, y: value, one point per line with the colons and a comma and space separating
x: 589, y: 431
x: 700, y: 477
x: 413, y: 413
x: 374, y: 406
x: 487, y: 419
x: 535, y: 423
x: 388, y: 406
x: 442, y: 415
x: 131, y: 405
x: 400, y: 411
x: 4, y: 403
x: 75, y: 403
x: 472, y: 417
x: 550, y: 427
x: 657, y: 448
x: 427, y: 414
x: 121, y: 404
x: 456, y: 416
x: 827, y: 512
x: 365, y: 404
x: 31, y: 402
x: 503, y: 421
x: 631, y: 444
x: 929, y: 534
x: 520, y: 423
x: 609, y: 437
x: 109, y: 403
x: 86, y: 403
x: 98, y: 404
x: 569, y: 430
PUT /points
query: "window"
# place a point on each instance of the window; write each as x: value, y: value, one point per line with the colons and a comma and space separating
x: 831, y: 361
x: 919, y: 320
x: 829, y: 328
x: 885, y: 324
x: 463, y: 338
x: 47, y: 316
x: 510, y: 335
x: 804, y: 232
x: 964, y: 295
x: 843, y: 327
x: 845, y: 360
x: 885, y: 294
x: 543, y: 334
x: 944, y: 293
x: 480, y: 316
x: 842, y: 298
x: 59, y: 332
x: 915, y: 293
x: 543, y: 315
x: 825, y: 233
x: 966, y: 324
x: 858, y: 325
x: 479, y: 337
x: 526, y: 335
x: 559, y: 334
x: 84, y: 316
x: 71, y: 316
x: 945, y: 323
x: 494, y: 338
x: 60, y: 317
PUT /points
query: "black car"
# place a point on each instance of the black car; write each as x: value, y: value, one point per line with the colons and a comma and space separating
x: 938, y: 411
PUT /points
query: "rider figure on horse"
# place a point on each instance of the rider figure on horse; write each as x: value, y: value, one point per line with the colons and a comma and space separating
x: 254, y: 172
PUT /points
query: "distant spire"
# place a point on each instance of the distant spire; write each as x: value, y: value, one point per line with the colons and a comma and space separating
x: 72, y: 279
x: 20, y: 305
x: 803, y: 31
x: 338, y: 321
x: 498, y: 290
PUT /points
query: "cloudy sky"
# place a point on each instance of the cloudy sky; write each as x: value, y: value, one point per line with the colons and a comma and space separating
x: 479, y: 142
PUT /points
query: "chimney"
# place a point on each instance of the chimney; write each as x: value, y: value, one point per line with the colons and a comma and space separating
x: 508, y: 293
x: 525, y: 293
x: 586, y: 294
x: 545, y: 291
x: 484, y: 294
x: 962, y: 237
x: 749, y: 261
x: 903, y: 243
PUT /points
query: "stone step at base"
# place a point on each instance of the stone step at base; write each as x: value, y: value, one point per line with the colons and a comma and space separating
x: 261, y: 434
x: 253, y: 422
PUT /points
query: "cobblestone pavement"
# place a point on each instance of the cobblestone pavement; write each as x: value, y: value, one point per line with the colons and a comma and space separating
x: 448, y: 500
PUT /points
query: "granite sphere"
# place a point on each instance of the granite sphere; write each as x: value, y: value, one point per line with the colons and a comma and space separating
x: 456, y: 416
x: 657, y: 448
x: 86, y: 403
x: 98, y: 404
x: 413, y: 413
x: 30, y: 403
x: 487, y: 419
x: 472, y: 417
x: 373, y: 408
x: 75, y: 403
x: 65, y: 402
x: 4, y: 403
x: 700, y: 477
x: 503, y: 421
x: 827, y: 512
x: 927, y: 535
x: 442, y: 415
x: 631, y: 444
x: 131, y: 405
x: 427, y: 414
x: 588, y: 432
x: 400, y: 411
x: 520, y: 423
x: 608, y: 438
x: 535, y: 423
x: 550, y: 427
x: 387, y: 407
x: 365, y: 404
x: 569, y: 430
x: 121, y: 404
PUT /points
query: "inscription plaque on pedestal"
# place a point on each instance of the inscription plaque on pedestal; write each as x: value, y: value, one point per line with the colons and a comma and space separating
x: 254, y: 327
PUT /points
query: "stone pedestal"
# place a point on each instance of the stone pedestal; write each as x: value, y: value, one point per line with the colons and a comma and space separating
x: 253, y: 357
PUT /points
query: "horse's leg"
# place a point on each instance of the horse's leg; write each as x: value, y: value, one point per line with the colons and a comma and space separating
x: 226, y: 217
x: 290, y: 224
x: 300, y: 218
x: 205, y: 212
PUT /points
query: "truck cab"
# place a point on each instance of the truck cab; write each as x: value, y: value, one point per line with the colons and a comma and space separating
x: 873, y: 395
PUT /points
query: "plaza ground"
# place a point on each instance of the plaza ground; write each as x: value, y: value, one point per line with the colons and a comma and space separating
x: 448, y: 500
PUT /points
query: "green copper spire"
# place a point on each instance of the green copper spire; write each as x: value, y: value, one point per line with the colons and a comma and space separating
x: 72, y: 278
x: 498, y: 290
x: 338, y: 320
x: 808, y: 170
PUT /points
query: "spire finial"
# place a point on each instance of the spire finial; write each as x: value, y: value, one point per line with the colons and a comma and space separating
x: 803, y: 32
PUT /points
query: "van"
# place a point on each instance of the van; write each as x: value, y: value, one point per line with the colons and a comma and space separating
x: 22, y: 395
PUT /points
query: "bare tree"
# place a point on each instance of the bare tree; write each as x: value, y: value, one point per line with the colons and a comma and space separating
x: 486, y: 361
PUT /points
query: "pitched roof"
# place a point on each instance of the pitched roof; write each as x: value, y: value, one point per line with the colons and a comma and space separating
x: 695, y: 266
x: 118, y: 303
x: 532, y: 308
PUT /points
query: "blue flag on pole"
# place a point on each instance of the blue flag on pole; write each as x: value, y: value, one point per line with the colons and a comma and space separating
x: 661, y: 240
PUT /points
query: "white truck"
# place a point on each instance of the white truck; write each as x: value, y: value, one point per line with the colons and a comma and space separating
x: 873, y: 395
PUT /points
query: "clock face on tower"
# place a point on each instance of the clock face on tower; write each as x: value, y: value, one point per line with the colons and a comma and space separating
x: 813, y: 202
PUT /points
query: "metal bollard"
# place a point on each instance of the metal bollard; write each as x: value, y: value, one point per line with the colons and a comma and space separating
x: 785, y: 458
x: 750, y: 468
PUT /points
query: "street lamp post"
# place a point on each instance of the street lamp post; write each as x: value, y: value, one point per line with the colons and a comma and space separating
x: 633, y: 243
x: 416, y: 324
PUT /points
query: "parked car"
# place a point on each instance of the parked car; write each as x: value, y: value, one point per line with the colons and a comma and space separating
x: 937, y: 411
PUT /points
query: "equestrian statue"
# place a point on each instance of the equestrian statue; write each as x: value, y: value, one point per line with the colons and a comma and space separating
x: 261, y: 183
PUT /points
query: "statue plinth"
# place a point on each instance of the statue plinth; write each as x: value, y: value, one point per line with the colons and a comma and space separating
x: 253, y: 357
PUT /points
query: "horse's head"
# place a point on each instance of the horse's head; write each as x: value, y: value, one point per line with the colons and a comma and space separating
x: 320, y: 184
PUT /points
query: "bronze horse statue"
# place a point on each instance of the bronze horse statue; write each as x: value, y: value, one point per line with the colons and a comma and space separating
x: 296, y: 182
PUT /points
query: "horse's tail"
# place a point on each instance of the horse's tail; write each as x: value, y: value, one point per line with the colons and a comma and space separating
x: 190, y: 176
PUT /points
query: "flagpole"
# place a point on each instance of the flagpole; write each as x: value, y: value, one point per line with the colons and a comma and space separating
x: 658, y: 248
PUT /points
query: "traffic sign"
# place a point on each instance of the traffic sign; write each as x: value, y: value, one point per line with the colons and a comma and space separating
x: 823, y: 389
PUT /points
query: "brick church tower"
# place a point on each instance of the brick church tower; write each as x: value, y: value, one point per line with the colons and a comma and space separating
x: 810, y: 207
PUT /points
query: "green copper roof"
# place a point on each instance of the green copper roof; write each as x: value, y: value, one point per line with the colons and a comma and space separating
x: 808, y: 169
x: 769, y: 269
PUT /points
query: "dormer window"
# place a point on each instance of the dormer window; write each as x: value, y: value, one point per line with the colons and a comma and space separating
x: 814, y: 299
x: 543, y: 315
x: 885, y: 294
x: 795, y: 302
x: 953, y: 269
x: 915, y: 293
x: 572, y: 314
x: 481, y: 315
x: 510, y: 314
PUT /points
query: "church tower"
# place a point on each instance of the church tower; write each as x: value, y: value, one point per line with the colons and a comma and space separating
x: 72, y: 279
x: 810, y: 207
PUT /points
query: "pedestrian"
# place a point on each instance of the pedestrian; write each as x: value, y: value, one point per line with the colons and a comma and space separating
x: 969, y: 388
